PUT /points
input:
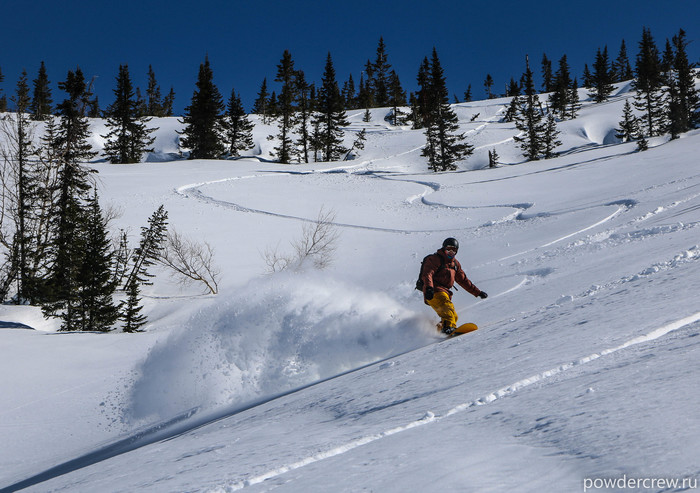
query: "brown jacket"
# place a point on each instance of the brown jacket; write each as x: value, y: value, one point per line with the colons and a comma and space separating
x: 442, y: 279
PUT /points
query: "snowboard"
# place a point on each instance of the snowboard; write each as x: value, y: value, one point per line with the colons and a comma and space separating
x: 464, y: 329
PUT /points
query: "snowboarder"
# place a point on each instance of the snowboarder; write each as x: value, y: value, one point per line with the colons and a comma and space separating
x: 439, y: 272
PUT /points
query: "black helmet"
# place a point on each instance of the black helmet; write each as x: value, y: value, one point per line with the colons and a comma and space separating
x: 450, y: 242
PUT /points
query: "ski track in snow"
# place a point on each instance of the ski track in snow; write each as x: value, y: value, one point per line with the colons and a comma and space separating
x: 430, y: 417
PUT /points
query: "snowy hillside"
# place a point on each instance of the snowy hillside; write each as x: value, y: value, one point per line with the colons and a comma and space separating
x: 585, y: 367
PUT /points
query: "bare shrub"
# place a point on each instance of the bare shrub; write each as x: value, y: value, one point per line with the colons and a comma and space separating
x: 191, y: 261
x: 317, y: 244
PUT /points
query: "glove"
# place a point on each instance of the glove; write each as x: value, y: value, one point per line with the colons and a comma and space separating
x: 429, y: 293
x: 483, y: 295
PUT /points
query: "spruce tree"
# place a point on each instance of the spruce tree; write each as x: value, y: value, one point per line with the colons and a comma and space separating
x: 302, y: 119
x: 150, y: 247
x: 41, y: 100
x: 548, y: 84
x: 131, y: 316
x: 561, y: 89
x: 203, y: 133
x: 528, y: 119
x: 380, y: 76
x: 550, y: 139
x: 397, y: 98
x: 622, y: 69
x: 68, y: 211
x: 629, y: 125
x: 423, y: 95
x: 154, y: 100
x: 97, y: 311
x: 574, y: 100
x: 128, y: 138
x: 238, y: 129
x: 3, y: 98
x: 286, y: 76
x: 168, y: 102
x: 330, y: 114
x: 488, y: 85
x: 444, y: 146
x: 261, y: 104
x: 602, y: 77
x: 686, y: 114
x: 649, y: 83
x: 349, y: 94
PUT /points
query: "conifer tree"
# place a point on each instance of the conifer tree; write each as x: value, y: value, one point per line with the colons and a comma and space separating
x: 547, y: 77
x: 150, y: 247
x: 602, y: 77
x: 69, y: 212
x: 285, y: 102
x: 131, y: 315
x: 261, y: 104
x: 41, y: 101
x: 574, y: 100
x: 3, y: 98
x: 154, y: 100
x: 397, y: 98
x: 238, y: 129
x: 648, y: 83
x: 97, y: 311
x: 302, y: 119
x: 550, y: 138
x: 128, y: 138
x: 203, y: 133
x: 168, y: 102
x: 468, y: 94
x: 444, y: 146
x: 349, y: 94
x: 629, y: 125
x: 423, y: 95
x: 528, y: 119
x: 685, y: 114
x: 381, y: 74
x: 561, y: 89
x: 622, y: 69
x: 331, y: 115
x: 488, y: 85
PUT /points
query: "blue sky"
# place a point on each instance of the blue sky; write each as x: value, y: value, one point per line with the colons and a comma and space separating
x: 245, y: 39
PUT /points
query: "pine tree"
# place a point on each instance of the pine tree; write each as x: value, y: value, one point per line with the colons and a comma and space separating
x: 331, y: 115
x: 302, y: 119
x: 602, y: 77
x: 528, y: 119
x: 128, y: 138
x: 488, y: 85
x: 154, y: 101
x: 168, y: 102
x: 629, y: 125
x: 97, y: 311
x: 548, y: 84
x: 621, y: 68
x: 574, y: 100
x: 686, y: 112
x: 444, y: 147
x: 286, y: 76
x: 261, y: 104
x: 349, y: 94
x: 468, y: 94
x: 397, y: 98
x: 422, y: 111
x: 561, y: 89
x: 150, y: 247
x: 381, y: 74
x: 131, y: 314
x: 68, y: 212
x: 41, y: 101
x: 203, y: 134
x: 238, y: 129
x: 648, y: 84
x: 3, y: 98
x: 550, y: 138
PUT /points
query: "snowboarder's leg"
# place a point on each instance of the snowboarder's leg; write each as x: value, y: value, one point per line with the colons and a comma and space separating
x: 443, y: 306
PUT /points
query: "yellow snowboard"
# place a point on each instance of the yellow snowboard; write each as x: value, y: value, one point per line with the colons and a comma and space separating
x: 464, y: 329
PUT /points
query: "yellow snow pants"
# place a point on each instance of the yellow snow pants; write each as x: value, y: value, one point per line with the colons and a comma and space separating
x: 443, y: 306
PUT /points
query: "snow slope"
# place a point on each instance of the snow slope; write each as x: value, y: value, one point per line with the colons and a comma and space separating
x: 585, y: 365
